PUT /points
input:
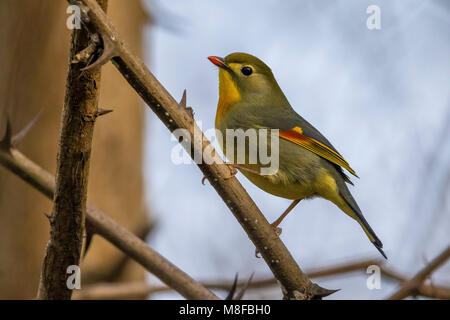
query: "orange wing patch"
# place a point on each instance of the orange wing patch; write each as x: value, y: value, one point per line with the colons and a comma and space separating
x: 296, y: 136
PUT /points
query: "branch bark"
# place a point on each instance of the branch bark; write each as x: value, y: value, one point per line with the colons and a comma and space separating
x: 411, y: 287
x: 100, y: 223
x: 67, y: 220
x: 295, y: 283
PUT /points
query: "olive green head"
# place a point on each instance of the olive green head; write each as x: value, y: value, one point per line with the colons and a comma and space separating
x: 245, y: 78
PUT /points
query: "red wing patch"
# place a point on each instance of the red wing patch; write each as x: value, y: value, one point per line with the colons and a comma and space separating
x: 296, y: 136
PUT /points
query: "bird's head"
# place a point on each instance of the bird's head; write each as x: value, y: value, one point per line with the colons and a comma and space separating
x: 245, y: 79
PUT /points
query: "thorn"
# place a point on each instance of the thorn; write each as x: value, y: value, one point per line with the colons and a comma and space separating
x: 241, y: 293
x: 320, y: 293
x: 89, y: 236
x: 5, y: 143
x: 109, y: 52
x: 183, y: 104
x: 204, y: 180
x: 183, y: 100
x: 233, y: 288
x: 17, y: 139
x: 102, y: 112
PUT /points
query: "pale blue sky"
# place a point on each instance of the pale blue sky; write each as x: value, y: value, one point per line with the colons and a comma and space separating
x: 381, y: 97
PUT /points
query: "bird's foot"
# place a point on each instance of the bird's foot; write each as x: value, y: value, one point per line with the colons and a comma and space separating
x: 233, y: 170
x: 277, y: 230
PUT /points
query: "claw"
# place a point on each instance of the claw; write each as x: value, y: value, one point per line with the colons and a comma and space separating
x: 234, y: 166
x: 203, y: 180
x: 109, y: 52
x: 233, y: 171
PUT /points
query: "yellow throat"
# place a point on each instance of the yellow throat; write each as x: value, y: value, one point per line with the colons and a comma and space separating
x: 228, y: 94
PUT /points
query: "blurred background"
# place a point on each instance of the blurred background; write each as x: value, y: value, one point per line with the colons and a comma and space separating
x: 380, y: 96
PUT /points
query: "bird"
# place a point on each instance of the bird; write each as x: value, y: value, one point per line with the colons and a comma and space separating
x: 308, y: 164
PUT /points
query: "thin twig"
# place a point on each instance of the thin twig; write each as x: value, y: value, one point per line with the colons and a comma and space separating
x: 410, y: 287
x: 296, y: 284
x: 103, y: 225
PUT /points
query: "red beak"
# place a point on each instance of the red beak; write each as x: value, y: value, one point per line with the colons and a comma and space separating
x: 220, y: 62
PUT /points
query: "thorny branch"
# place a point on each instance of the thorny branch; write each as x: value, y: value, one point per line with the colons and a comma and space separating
x: 295, y: 283
x: 98, y: 221
x: 101, y: 224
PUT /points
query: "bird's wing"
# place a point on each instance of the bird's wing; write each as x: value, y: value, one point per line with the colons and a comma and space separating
x: 322, y: 148
x: 294, y: 128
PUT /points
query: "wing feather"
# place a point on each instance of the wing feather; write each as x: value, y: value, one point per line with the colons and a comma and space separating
x: 297, y: 136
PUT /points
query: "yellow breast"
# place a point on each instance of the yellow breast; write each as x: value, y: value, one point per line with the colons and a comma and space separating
x: 228, y: 94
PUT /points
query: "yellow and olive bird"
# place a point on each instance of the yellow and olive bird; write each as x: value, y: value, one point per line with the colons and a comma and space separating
x: 309, y: 166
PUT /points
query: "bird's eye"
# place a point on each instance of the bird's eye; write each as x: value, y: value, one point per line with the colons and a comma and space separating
x: 246, y: 71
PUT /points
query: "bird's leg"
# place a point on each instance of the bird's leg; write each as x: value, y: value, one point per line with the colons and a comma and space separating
x: 277, y: 222
x: 233, y: 170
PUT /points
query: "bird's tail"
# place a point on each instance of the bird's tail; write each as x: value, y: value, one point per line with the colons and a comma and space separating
x: 356, y: 214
